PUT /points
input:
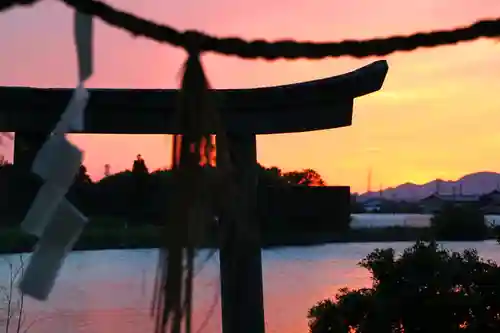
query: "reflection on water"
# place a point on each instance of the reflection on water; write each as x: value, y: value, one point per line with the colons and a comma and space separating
x: 110, y: 291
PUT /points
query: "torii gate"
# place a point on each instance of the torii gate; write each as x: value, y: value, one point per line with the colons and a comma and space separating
x: 315, y: 105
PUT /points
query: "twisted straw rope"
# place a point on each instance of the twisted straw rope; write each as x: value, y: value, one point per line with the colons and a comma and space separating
x: 287, y: 49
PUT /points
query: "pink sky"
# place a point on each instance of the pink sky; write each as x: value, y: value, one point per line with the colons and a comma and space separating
x: 437, y: 115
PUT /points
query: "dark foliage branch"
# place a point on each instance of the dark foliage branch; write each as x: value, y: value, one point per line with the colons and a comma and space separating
x: 287, y: 49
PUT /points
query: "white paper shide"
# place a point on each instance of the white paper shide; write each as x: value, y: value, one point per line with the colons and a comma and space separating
x: 52, y: 218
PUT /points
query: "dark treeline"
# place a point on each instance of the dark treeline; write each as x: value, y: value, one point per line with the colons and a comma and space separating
x: 138, y: 197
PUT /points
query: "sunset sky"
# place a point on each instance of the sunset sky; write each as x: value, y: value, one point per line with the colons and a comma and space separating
x: 438, y: 114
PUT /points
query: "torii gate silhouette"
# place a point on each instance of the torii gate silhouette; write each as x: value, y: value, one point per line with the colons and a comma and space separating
x: 315, y: 105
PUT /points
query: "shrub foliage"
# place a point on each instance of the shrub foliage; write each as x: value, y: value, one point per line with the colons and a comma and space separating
x: 457, y: 222
x: 426, y: 289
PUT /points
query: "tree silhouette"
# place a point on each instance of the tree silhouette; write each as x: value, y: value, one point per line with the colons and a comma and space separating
x: 141, y: 190
x: 460, y: 222
x: 139, y: 167
x: 306, y: 177
x: 138, y: 196
x: 107, y: 170
x: 82, y: 176
x: 270, y: 176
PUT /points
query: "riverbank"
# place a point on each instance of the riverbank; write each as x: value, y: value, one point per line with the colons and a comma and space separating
x: 13, y: 240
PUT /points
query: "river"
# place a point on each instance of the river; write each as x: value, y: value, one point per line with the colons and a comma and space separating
x: 369, y: 220
x: 110, y: 291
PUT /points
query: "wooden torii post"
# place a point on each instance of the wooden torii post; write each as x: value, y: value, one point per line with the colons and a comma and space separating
x: 315, y: 105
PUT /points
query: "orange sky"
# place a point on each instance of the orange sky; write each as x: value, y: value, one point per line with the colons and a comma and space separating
x: 437, y: 116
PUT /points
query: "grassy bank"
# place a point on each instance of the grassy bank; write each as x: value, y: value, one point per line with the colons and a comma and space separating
x: 13, y: 240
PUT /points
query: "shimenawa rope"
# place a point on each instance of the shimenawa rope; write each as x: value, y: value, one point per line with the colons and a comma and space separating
x: 287, y: 49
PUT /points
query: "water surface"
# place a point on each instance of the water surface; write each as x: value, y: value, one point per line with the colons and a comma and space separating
x: 110, y: 291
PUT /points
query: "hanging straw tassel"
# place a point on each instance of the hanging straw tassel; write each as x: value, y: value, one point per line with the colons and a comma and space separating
x: 200, y: 192
x: 190, y: 210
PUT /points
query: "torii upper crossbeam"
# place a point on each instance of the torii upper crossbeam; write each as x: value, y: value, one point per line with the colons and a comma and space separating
x: 314, y: 105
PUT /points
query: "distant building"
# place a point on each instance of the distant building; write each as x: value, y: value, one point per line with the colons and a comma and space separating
x: 435, y: 202
x: 373, y: 205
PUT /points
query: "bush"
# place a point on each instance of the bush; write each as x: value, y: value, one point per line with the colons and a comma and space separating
x: 455, y: 223
x: 426, y: 289
x: 496, y: 232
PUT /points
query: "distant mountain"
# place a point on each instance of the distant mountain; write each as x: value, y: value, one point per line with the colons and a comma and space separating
x: 475, y: 183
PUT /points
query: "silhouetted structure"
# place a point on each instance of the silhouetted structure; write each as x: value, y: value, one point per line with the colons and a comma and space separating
x: 435, y: 202
x: 315, y: 105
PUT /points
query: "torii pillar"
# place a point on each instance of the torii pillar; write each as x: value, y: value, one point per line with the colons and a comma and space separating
x: 240, y: 255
